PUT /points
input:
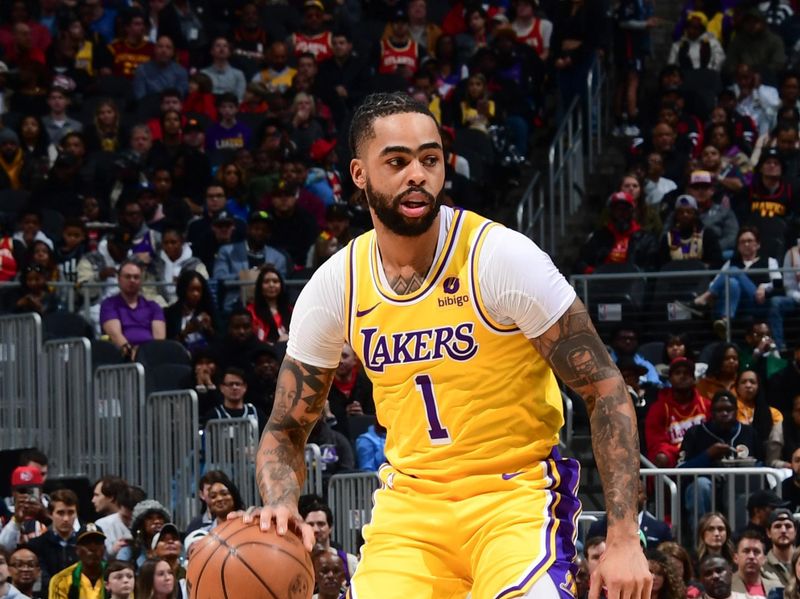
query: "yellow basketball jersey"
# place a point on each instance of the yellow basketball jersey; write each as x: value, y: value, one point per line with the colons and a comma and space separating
x: 459, y: 393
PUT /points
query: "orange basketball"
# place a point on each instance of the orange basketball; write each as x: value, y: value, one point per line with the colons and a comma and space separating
x: 239, y: 561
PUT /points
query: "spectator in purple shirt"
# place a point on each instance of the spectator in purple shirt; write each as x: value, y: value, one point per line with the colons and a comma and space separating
x: 227, y: 136
x: 128, y: 318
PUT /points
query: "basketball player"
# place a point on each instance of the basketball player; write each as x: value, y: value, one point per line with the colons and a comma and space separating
x: 461, y: 324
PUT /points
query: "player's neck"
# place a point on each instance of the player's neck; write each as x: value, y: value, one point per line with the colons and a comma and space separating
x: 402, y: 255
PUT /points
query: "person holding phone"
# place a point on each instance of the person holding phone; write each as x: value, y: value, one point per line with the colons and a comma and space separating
x: 30, y: 518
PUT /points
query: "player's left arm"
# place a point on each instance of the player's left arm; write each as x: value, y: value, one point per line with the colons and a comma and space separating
x: 579, y: 358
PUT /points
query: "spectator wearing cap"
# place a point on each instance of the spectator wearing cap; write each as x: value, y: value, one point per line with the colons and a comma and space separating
x: 228, y: 135
x: 781, y: 533
x: 56, y: 122
x: 714, y: 216
x: 30, y: 519
x: 755, y: 44
x: 294, y: 169
x: 398, y: 52
x: 266, y: 360
x: 132, y: 48
x: 687, y: 238
x: 760, y: 505
x: 678, y: 407
x: 215, y: 227
x: 224, y: 78
x: 621, y: 241
x: 770, y: 195
x: 161, y: 72
x: 84, y: 579
x: 250, y: 254
x: 706, y: 444
x: 697, y: 49
x: 294, y: 230
x: 324, y: 179
x: 149, y: 517
x: 55, y: 548
x: 337, y: 234
x: 167, y: 546
x: 313, y: 37
x: 12, y: 160
x: 128, y: 318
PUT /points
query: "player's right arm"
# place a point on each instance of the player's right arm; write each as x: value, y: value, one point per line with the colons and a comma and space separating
x: 280, y: 461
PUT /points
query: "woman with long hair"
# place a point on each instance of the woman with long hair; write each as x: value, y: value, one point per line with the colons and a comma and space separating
x: 33, y: 138
x: 234, y: 181
x: 166, y: 149
x: 791, y: 430
x: 223, y: 497
x: 191, y: 320
x: 681, y: 562
x: 666, y: 582
x: 105, y: 133
x: 714, y: 537
x: 753, y: 409
x: 156, y: 581
x: 723, y: 369
x: 793, y: 588
x: 270, y: 306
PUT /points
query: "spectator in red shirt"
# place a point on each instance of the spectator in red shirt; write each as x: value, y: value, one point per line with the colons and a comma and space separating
x: 676, y: 410
x: 38, y: 34
x: 270, y: 306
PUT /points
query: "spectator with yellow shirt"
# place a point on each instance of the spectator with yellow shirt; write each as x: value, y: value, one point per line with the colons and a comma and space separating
x: 86, y: 575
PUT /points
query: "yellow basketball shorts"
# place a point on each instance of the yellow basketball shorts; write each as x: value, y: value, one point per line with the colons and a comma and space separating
x: 492, y: 536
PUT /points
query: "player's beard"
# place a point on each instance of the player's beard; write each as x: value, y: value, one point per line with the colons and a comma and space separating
x: 387, y: 209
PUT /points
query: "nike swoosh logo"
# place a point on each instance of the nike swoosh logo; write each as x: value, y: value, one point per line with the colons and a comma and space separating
x: 508, y: 476
x: 360, y: 313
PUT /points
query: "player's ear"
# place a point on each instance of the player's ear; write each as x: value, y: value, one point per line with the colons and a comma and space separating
x: 358, y: 173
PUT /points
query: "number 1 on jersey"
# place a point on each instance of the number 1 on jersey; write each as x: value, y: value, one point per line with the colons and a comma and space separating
x: 438, y: 434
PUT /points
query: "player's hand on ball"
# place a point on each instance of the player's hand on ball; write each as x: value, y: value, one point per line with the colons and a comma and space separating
x: 623, y: 573
x: 279, y: 516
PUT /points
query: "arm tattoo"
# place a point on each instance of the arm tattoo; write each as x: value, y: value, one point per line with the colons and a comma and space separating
x: 404, y: 285
x: 579, y: 358
x: 300, y: 396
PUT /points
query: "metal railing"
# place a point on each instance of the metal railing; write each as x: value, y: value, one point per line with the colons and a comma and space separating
x: 542, y: 215
x: 230, y: 446
x: 313, y: 482
x: 20, y: 400
x: 171, y: 450
x: 654, y: 302
x: 69, y: 406
x: 350, y: 499
x: 118, y: 424
x: 728, y: 489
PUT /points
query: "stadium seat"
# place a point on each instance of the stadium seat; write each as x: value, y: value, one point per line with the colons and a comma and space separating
x: 708, y: 349
x: 105, y: 353
x: 153, y: 353
x: 476, y: 147
x: 167, y: 377
x: 60, y: 325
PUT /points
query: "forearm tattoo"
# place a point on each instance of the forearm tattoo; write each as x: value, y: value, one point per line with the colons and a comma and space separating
x: 300, y: 396
x: 578, y: 357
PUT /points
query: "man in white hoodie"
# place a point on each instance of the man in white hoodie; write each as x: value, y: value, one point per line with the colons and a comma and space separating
x: 174, y: 257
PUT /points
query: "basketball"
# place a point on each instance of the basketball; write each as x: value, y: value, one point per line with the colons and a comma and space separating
x: 238, y: 561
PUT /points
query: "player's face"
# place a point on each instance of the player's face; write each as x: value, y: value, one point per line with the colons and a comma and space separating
x: 401, y: 169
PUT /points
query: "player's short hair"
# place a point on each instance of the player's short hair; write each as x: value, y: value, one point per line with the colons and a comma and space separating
x: 377, y: 106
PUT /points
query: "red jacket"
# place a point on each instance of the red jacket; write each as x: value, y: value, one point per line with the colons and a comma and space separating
x: 667, y: 421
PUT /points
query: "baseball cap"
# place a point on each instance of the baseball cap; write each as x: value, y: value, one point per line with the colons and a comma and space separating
x: 284, y: 188
x: 314, y: 4
x: 765, y: 498
x: 89, y: 532
x: 686, y: 201
x: 26, y: 476
x: 192, y: 125
x: 767, y: 154
x: 701, y: 178
x: 628, y: 363
x: 223, y: 216
x: 622, y: 196
x: 399, y: 14
x: 321, y: 148
x: 780, y: 513
x: 259, y: 216
x: 8, y: 136
x: 168, y: 527
x: 681, y: 361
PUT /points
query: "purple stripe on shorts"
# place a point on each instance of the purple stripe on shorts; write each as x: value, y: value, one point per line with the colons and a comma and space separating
x: 563, y: 569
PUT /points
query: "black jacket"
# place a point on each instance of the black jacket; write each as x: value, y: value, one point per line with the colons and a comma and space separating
x: 699, y: 438
x: 53, y: 556
x: 641, y: 250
